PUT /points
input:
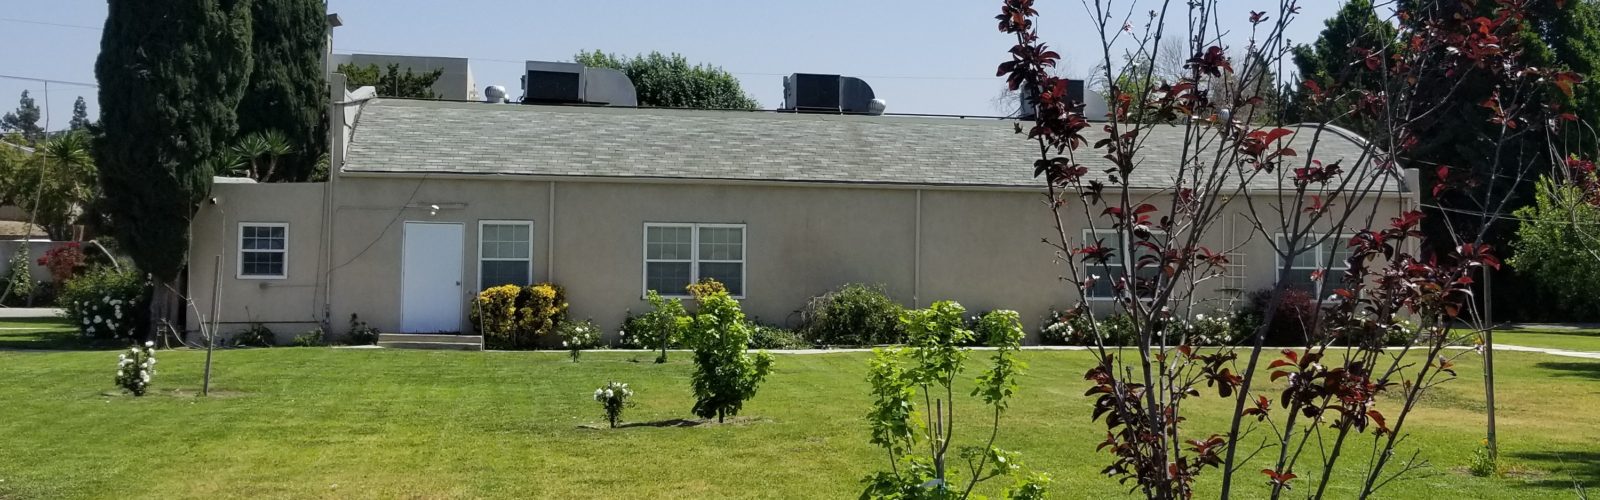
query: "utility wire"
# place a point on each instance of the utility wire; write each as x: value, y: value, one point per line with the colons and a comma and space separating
x: 46, y: 80
x: 519, y: 61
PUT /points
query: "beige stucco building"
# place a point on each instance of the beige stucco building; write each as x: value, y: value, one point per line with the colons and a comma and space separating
x: 433, y: 201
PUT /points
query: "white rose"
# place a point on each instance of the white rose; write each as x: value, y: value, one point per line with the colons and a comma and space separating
x: 97, y: 319
x: 144, y: 377
x: 149, y: 343
x: 86, y: 320
x: 609, y: 394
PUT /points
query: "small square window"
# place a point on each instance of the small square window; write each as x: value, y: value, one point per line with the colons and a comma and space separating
x: 263, y: 250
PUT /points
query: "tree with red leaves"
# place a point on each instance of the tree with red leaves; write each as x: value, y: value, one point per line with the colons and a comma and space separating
x: 1343, y: 381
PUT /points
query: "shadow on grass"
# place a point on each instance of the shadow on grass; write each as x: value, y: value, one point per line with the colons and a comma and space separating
x: 1565, y: 466
x: 56, y: 339
x: 674, y: 422
x: 1589, y: 370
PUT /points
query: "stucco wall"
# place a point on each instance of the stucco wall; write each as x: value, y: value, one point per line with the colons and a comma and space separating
x: 288, y: 306
x: 981, y: 248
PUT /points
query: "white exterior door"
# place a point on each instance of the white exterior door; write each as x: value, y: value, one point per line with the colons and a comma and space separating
x: 430, y: 263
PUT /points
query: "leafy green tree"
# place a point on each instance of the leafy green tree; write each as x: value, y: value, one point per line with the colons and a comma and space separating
x: 286, y: 93
x: 168, y: 91
x: 1556, y: 248
x: 663, y: 325
x: 724, y: 375
x: 919, y: 439
x: 1337, y: 62
x: 56, y: 184
x: 24, y: 121
x: 80, y: 115
x: 392, y: 82
x: 669, y: 81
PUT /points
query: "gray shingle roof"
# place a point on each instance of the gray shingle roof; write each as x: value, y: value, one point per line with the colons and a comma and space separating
x: 402, y: 136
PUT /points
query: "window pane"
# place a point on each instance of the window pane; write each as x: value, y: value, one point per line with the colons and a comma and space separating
x: 504, y: 272
x: 1299, y: 279
x: 722, y: 243
x: 669, y: 243
x: 667, y: 278
x: 730, y: 274
x: 1341, y: 253
x: 506, y: 241
x: 261, y: 264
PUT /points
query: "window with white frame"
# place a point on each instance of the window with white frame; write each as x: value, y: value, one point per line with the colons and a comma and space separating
x: 263, y: 250
x: 1108, y: 273
x: 676, y: 255
x: 505, y: 253
x: 1331, y: 255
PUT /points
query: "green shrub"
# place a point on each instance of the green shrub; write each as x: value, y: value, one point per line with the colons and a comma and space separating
x: 577, y: 336
x: 1072, y: 327
x: 725, y: 375
x: 310, y: 338
x: 661, y: 328
x: 255, y: 335
x: 852, y: 315
x: 772, y: 337
x: 512, y: 317
x: 19, y: 280
x: 360, y: 333
x: 105, y: 303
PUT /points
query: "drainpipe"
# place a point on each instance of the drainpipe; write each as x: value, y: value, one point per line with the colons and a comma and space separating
x: 916, y: 258
x: 336, y: 94
x: 550, y: 237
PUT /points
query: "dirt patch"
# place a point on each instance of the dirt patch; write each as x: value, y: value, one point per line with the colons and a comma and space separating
x: 682, y: 422
x: 179, y: 394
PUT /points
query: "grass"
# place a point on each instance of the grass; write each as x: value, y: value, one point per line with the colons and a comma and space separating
x: 369, y: 423
x: 1571, y: 340
x: 45, y: 333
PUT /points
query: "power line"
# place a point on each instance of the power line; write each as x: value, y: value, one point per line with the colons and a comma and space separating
x: 47, y: 80
x: 43, y: 23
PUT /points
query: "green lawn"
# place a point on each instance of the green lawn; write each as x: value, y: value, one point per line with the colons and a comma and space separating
x: 44, y: 333
x: 370, y: 423
x: 1571, y: 340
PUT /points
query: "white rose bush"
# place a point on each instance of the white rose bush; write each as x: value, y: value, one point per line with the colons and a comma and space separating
x: 136, y: 368
x: 577, y: 336
x: 613, y: 397
x: 104, y: 303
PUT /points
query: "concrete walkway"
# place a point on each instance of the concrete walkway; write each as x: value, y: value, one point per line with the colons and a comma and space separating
x: 29, y: 312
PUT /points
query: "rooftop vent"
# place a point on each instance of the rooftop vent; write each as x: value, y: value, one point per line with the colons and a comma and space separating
x: 494, y: 94
x: 820, y: 93
x: 571, y: 83
x: 1029, y: 103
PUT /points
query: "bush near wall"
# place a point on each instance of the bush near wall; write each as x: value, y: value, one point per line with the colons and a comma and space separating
x: 513, y: 317
x: 855, y: 314
x: 105, y: 303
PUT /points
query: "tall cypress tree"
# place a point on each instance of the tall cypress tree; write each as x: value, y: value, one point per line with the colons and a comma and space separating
x: 24, y: 121
x: 171, y: 75
x: 286, y: 86
x: 80, y: 115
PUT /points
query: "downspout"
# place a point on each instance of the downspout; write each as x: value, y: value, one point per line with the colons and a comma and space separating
x: 336, y: 123
x: 550, y: 237
x: 916, y: 257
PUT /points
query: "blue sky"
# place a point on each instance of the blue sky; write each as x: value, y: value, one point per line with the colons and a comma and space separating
x: 930, y: 56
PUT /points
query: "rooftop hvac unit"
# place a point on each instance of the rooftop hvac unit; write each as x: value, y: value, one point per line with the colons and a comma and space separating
x: 820, y: 93
x: 572, y: 83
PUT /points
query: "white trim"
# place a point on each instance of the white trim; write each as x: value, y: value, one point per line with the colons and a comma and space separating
x: 239, y: 252
x: 478, y: 280
x: 694, y: 259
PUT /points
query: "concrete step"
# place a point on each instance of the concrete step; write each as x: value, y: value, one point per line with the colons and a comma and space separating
x: 458, y: 346
x: 429, y: 337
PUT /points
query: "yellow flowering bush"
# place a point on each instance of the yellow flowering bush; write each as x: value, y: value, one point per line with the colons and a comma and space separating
x: 516, y: 317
